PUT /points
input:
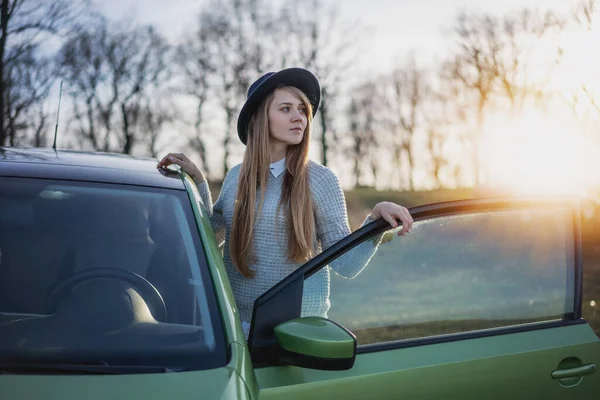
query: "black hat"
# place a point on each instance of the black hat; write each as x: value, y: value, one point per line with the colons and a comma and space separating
x: 297, y: 77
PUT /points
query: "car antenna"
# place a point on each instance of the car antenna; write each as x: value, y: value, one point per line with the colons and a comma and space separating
x: 57, y: 115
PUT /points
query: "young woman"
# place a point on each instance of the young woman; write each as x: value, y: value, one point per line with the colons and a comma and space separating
x: 277, y: 209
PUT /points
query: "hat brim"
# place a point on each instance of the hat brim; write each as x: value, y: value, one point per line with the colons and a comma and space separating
x: 297, y: 77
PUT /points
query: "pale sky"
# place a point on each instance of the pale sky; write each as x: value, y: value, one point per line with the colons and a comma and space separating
x: 395, y: 26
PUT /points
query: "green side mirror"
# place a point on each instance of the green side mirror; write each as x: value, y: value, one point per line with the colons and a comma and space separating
x: 315, y: 342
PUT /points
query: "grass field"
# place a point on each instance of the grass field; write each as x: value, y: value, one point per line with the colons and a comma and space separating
x: 460, y: 273
x: 360, y: 202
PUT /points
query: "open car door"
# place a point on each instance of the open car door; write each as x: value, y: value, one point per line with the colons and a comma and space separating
x: 481, y: 300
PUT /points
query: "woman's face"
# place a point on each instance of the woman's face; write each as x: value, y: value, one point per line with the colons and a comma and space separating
x: 287, y: 118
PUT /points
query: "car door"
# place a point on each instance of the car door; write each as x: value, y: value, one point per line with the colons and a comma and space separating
x: 481, y: 300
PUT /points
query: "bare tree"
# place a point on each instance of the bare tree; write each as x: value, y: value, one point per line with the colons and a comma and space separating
x: 24, y: 24
x: 156, y: 112
x: 520, y: 35
x: 472, y: 66
x: 405, y: 100
x: 110, y: 74
x: 363, y: 130
x: 583, y: 15
x: 230, y: 33
x: 442, y: 119
x: 492, y: 62
x: 28, y: 79
x: 326, y: 45
x: 195, y: 65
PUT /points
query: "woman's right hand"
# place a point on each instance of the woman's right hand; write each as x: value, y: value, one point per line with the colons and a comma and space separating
x: 185, y: 163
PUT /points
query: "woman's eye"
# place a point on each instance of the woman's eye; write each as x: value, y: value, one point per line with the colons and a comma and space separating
x: 285, y: 109
x: 302, y: 110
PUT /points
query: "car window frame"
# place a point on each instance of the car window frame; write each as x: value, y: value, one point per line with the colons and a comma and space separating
x: 200, y: 211
x: 283, y: 301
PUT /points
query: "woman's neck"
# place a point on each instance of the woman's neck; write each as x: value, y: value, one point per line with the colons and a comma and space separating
x: 277, y: 153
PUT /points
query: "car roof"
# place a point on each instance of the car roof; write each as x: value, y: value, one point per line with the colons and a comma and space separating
x: 85, y: 166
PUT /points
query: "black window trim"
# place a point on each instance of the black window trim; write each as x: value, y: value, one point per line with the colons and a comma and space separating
x: 283, y: 301
x: 455, y: 337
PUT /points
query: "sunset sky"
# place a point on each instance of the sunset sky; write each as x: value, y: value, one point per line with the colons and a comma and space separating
x: 549, y: 151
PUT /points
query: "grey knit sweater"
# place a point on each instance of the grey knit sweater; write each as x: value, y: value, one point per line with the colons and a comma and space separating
x: 270, y: 240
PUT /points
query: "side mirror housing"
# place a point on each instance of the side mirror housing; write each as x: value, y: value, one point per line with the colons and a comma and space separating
x: 315, y: 342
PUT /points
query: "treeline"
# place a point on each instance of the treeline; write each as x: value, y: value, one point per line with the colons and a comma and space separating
x: 129, y: 89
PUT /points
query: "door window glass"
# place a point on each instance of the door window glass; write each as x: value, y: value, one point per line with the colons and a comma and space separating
x: 460, y: 273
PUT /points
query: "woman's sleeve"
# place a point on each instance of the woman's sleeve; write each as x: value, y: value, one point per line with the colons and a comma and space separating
x: 332, y: 225
x: 215, y: 211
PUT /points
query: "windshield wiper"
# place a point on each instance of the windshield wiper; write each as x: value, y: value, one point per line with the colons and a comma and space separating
x: 100, y: 368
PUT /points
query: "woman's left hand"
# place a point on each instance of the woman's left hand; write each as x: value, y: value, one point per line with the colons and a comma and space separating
x: 392, y: 212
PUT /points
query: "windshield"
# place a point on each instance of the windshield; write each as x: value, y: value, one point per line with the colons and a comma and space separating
x: 104, y: 274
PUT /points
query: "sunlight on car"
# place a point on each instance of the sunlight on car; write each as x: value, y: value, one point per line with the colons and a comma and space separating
x: 51, y: 194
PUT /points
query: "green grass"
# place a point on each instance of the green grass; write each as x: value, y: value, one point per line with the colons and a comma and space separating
x: 434, y: 328
x: 447, y: 278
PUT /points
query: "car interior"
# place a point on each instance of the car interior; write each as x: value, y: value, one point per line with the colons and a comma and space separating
x: 102, y: 262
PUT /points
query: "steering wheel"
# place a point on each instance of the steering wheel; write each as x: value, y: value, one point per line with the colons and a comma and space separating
x: 147, y: 290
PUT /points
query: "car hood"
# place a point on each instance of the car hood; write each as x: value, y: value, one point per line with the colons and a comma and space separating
x: 221, y: 383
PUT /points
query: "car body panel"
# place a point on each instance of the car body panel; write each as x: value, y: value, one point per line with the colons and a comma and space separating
x: 245, y: 369
x: 221, y: 383
x: 232, y: 324
x: 506, y: 362
x: 506, y: 366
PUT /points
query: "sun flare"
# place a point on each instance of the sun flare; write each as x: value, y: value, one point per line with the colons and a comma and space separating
x: 539, y: 154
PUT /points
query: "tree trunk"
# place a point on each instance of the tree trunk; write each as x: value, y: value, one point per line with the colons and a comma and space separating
x: 11, y: 129
x: 226, y: 140
x: 357, y: 162
x: 199, y: 145
x: 476, y: 136
x: 4, y: 31
x: 9, y: 126
x: 323, y: 120
x: 39, y: 140
x: 374, y: 171
x: 397, y: 164
x: 436, y: 174
x: 127, y: 146
x: 92, y: 126
x: 409, y: 154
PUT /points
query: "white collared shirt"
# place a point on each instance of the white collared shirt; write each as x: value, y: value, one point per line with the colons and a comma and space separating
x: 277, y: 167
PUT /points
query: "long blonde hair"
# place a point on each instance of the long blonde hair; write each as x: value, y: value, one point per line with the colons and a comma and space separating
x: 296, y: 198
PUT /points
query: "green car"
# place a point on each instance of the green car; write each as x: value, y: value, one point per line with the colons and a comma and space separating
x: 112, y: 286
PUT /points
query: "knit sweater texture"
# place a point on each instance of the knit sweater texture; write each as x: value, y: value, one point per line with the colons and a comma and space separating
x: 271, y: 263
